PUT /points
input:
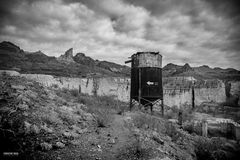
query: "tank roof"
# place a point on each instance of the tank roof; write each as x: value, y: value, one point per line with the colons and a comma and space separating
x: 148, y: 53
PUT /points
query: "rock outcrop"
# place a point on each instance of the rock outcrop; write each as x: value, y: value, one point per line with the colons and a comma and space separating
x: 67, y: 57
x: 8, y: 46
x: 81, y: 58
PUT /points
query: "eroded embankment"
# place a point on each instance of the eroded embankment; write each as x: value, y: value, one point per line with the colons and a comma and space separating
x: 177, y: 90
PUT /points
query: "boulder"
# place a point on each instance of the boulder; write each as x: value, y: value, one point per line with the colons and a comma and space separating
x: 46, y: 146
x: 59, y: 145
x: 46, y: 129
x: 4, y: 109
x: 18, y: 87
x: 23, y: 107
x: 27, y: 127
x: 35, y: 129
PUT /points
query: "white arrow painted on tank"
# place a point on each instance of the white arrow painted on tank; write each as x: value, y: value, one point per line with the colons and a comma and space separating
x: 150, y: 83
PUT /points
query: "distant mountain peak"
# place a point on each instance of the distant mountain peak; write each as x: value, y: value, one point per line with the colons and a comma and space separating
x: 69, y: 53
x: 170, y: 66
x: 186, y: 68
x: 9, y: 46
x: 37, y: 52
x: 83, y: 59
x: 67, y: 56
x: 205, y: 66
x: 80, y: 55
x: 186, y: 65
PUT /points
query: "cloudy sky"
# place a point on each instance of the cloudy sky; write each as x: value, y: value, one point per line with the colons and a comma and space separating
x: 197, y: 32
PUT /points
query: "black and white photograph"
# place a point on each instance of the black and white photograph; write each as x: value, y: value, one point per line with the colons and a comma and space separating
x: 119, y: 80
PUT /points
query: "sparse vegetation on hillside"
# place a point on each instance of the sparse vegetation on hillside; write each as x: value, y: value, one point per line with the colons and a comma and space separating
x: 52, y: 123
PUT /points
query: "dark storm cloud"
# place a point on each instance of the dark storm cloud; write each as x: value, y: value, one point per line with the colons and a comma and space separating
x: 193, y: 31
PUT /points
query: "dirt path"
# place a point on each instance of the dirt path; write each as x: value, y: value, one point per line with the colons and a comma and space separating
x: 103, y: 143
x: 122, y: 132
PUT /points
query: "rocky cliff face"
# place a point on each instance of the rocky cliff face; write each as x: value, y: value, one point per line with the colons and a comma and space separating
x: 67, y: 57
x: 8, y: 46
x: 83, y: 59
x: 205, y: 91
x: 235, y: 92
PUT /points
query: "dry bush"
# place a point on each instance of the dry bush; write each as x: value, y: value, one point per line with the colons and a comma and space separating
x: 55, y: 86
x: 64, y: 93
x: 135, y: 150
x: 160, y: 125
x: 48, y: 116
x: 145, y: 121
x: 103, y: 117
x: 68, y: 118
x: 191, y: 128
x: 121, y: 109
x: 210, y: 149
x: 103, y: 102
x: 74, y: 92
x: 173, y: 113
x: 103, y: 107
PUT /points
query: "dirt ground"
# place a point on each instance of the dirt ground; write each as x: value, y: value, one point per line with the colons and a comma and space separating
x: 51, y: 123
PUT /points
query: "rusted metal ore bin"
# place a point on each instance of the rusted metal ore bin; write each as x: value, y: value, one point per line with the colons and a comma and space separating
x: 146, y: 78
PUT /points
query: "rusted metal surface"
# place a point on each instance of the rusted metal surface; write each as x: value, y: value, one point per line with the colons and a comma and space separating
x: 146, y: 59
x: 149, y: 84
x: 146, y: 77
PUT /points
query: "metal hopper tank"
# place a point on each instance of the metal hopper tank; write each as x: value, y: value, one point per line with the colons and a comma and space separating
x: 146, y: 78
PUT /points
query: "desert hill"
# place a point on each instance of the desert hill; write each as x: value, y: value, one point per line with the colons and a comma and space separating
x: 12, y: 57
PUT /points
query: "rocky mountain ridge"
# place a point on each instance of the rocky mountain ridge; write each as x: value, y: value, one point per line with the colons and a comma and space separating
x: 13, y: 57
x: 201, y: 72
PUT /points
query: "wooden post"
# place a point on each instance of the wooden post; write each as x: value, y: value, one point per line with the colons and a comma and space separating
x: 130, y: 103
x: 193, y: 97
x: 162, y: 105
x: 180, y: 118
x: 139, y: 89
x: 79, y: 89
x: 204, y: 128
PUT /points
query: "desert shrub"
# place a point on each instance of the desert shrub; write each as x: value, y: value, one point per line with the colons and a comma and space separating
x: 209, y: 149
x: 135, y: 150
x: 172, y: 112
x: 46, y: 115
x: 64, y: 93
x: 54, y: 86
x: 67, y: 118
x: 189, y: 127
x: 74, y: 92
x: 145, y: 121
x: 104, y: 102
x: 101, y: 106
x: 171, y: 131
x: 103, y: 117
x: 121, y: 109
x: 192, y: 127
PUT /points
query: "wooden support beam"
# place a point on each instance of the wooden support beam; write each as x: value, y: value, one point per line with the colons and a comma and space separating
x: 193, y: 97
x: 162, y: 105
x: 139, y: 87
